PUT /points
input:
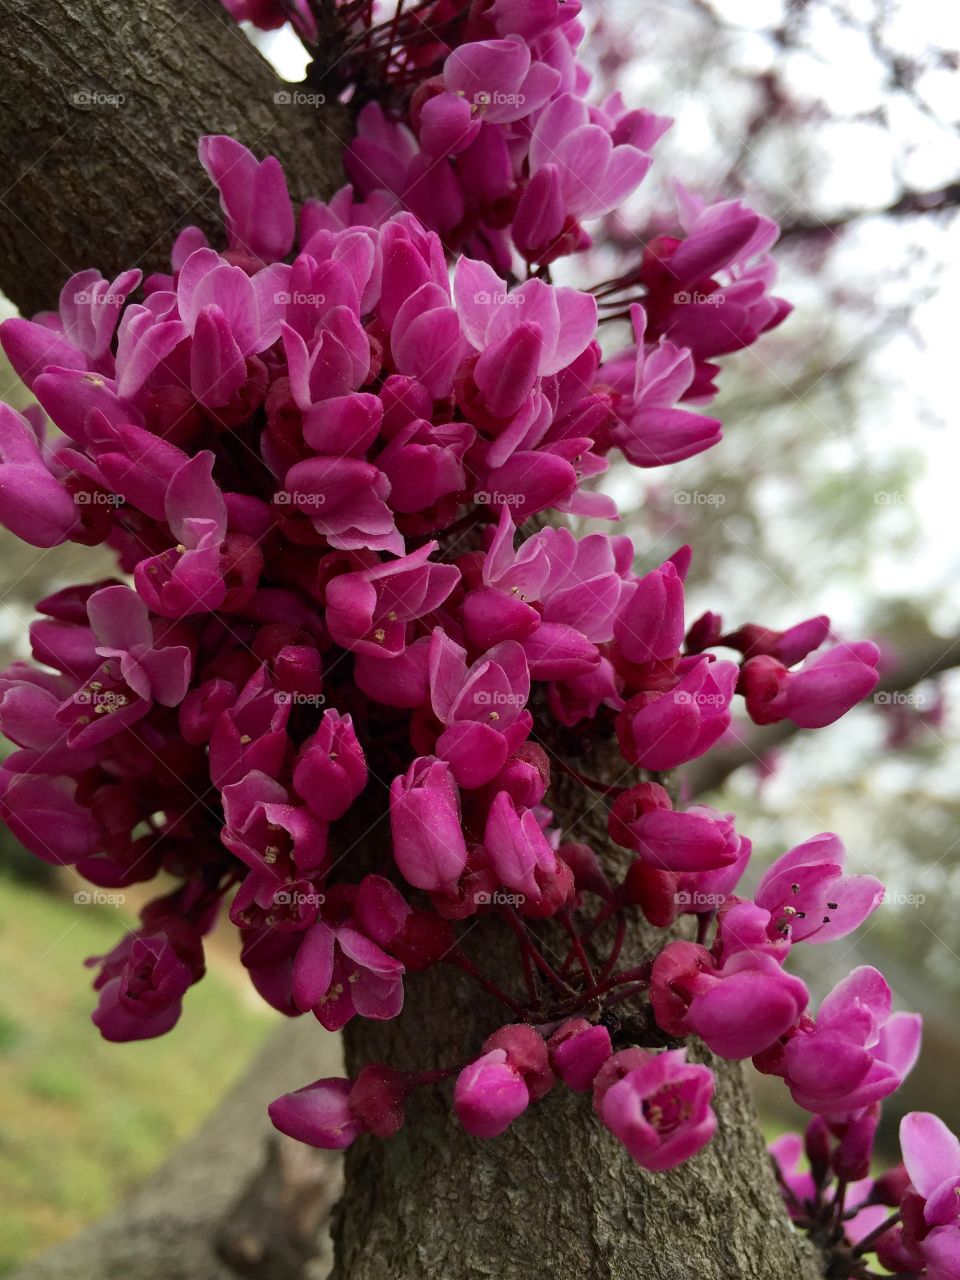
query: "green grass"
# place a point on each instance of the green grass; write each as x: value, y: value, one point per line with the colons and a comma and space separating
x: 82, y: 1121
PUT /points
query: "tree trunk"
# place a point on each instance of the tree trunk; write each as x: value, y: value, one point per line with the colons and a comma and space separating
x: 104, y: 174
x: 555, y: 1197
x: 101, y: 106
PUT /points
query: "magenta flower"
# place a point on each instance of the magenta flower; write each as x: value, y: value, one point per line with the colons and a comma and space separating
x: 43, y: 813
x: 857, y: 1053
x: 595, y: 174
x: 578, y: 1049
x: 428, y: 843
x: 824, y: 689
x: 566, y: 320
x: 663, y: 730
x: 489, y: 1095
x: 136, y: 670
x: 275, y: 838
x: 649, y: 381
x: 698, y: 839
x: 318, y: 1114
x: 141, y: 987
x: 482, y: 707
x: 808, y: 896
x: 339, y: 973
x: 330, y: 770
x: 657, y: 1105
x: 253, y: 194
x: 188, y: 578
x: 34, y: 505
x: 345, y: 500
x: 649, y: 622
x: 369, y: 611
x: 520, y: 855
x: 738, y: 1010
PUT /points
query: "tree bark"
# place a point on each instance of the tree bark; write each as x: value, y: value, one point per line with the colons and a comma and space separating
x: 105, y: 174
x: 555, y: 1197
x: 101, y: 106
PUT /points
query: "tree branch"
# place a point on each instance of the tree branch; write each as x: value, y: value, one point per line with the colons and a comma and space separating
x: 104, y: 171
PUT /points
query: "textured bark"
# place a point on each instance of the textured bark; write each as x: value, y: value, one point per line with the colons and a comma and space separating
x: 101, y: 105
x: 555, y: 1197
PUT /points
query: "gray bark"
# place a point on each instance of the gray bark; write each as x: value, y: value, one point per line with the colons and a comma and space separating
x: 101, y: 106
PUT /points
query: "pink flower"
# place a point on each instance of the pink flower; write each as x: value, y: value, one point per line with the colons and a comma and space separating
x: 428, y: 842
x: 649, y: 381
x: 578, y: 1049
x: 34, y: 505
x: 136, y: 670
x: 738, y: 1009
x: 657, y: 1105
x: 188, y: 578
x: 663, y: 730
x: 856, y: 1053
x: 489, y: 1095
x: 698, y: 839
x: 565, y: 319
x: 595, y: 174
x: 330, y: 770
x: 808, y: 896
x: 369, y: 611
x: 482, y: 707
x: 825, y: 688
x: 649, y: 623
x: 339, y: 973
x: 318, y: 1114
x: 253, y: 194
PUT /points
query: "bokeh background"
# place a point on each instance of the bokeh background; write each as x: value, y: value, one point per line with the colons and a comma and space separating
x: 835, y: 490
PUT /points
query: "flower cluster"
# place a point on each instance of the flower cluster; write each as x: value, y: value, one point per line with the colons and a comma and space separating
x: 909, y: 1216
x: 316, y: 454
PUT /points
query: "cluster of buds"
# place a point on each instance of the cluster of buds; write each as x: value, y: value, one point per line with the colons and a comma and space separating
x: 316, y: 454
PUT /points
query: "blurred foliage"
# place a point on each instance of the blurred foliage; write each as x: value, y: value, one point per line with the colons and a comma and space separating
x: 83, y: 1121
